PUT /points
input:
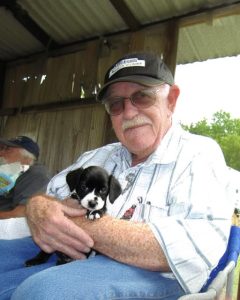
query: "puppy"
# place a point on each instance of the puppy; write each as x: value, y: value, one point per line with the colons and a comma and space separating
x: 91, y: 187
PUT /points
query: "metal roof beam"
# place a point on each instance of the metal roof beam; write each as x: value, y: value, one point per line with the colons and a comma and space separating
x: 209, y: 14
x: 126, y: 14
x: 23, y: 17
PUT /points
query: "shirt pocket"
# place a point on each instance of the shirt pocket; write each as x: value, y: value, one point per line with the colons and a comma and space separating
x: 147, y: 212
x: 150, y: 213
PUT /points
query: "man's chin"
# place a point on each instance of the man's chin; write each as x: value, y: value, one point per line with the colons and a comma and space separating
x: 138, y: 141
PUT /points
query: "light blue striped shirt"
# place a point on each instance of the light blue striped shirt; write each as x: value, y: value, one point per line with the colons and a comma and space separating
x: 180, y: 191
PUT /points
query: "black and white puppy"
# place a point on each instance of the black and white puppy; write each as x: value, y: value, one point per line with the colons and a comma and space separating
x: 92, y: 187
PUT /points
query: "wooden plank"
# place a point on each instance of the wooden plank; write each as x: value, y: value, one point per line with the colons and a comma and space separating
x: 171, y: 45
x: 110, y: 136
x: 116, y: 48
x: 2, y: 78
x: 90, y: 66
x: 52, y: 106
x: 62, y: 136
x: 98, y: 127
x: 137, y: 41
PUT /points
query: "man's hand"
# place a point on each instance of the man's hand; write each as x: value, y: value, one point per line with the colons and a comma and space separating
x: 51, y: 228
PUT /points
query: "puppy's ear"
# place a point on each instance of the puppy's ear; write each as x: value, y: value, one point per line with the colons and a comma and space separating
x: 114, y: 188
x: 72, y: 178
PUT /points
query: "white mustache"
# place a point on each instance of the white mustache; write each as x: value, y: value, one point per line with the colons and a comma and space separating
x: 137, y: 121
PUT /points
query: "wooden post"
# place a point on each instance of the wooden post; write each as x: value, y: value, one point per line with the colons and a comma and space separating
x: 171, y: 45
x: 137, y: 41
x: 2, y: 79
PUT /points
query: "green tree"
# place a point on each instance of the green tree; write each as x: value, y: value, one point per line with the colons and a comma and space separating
x: 226, y: 131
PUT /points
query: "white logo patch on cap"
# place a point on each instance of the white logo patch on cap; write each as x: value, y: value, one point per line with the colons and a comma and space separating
x: 126, y: 63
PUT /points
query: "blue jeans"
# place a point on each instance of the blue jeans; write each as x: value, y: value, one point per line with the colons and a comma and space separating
x: 95, y: 278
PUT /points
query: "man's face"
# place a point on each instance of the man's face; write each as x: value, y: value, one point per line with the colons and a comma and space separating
x: 10, y: 154
x: 142, y: 129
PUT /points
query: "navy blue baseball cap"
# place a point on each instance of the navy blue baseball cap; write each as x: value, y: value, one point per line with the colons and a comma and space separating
x: 22, y: 142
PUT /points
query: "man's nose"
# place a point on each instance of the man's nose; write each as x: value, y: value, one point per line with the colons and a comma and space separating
x: 129, y: 109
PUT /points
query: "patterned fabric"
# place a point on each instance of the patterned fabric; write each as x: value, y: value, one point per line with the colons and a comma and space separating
x: 180, y: 191
x: 31, y: 182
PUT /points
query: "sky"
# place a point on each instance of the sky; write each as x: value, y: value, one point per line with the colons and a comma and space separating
x: 208, y: 87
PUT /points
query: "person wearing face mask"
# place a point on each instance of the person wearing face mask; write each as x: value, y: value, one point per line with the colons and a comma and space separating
x: 162, y: 236
x: 21, y: 153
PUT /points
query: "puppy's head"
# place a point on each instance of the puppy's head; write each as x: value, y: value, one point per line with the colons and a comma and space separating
x: 92, y: 186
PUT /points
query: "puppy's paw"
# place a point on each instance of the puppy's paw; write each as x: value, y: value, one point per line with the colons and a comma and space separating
x: 91, y: 217
x: 97, y: 216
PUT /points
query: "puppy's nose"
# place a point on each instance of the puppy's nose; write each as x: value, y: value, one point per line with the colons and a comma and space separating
x: 93, y: 203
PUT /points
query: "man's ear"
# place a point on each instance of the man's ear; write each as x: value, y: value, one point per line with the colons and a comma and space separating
x: 114, y: 188
x: 173, y: 94
x: 73, y: 177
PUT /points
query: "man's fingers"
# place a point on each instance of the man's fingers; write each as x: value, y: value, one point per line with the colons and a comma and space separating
x: 52, y: 228
x: 73, y: 212
x: 64, y: 234
x: 47, y: 248
x: 70, y: 233
x: 71, y: 252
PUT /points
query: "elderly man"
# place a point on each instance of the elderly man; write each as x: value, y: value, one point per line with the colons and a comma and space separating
x: 172, y: 182
x: 33, y: 178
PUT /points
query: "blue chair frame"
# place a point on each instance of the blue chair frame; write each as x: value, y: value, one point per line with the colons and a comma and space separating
x: 221, y: 277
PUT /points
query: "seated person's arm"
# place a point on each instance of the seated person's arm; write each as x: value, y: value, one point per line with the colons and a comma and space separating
x: 128, y: 242
x: 17, y: 212
x: 29, y: 183
x: 125, y: 241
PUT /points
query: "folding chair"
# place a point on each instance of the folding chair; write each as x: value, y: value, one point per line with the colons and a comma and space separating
x: 220, y: 282
x: 221, y: 278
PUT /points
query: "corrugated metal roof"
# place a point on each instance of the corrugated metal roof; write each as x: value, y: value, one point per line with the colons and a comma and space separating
x: 15, y: 39
x: 215, y: 39
x: 71, y: 21
x: 32, y: 26
x: 147, y: 11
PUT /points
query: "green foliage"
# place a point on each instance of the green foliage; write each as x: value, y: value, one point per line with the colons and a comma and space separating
x: 226, y: 131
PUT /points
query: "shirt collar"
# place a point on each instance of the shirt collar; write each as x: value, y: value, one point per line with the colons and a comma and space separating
x: 168, y: 149
x: 166, y: 152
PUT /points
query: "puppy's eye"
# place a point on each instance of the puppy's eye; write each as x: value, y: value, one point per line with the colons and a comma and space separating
x: 84, y: 187
x: 103, y: 191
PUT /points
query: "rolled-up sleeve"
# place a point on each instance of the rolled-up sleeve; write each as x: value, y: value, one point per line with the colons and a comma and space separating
x: 194, y: 232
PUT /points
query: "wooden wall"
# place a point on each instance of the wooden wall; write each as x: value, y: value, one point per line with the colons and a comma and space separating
x: 63, y: 134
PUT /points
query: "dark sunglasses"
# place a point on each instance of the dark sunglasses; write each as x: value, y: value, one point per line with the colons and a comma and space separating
x: 141, y: 99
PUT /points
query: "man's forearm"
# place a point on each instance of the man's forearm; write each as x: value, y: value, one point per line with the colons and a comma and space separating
x: 126, y: 241
x: 17, y: 212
